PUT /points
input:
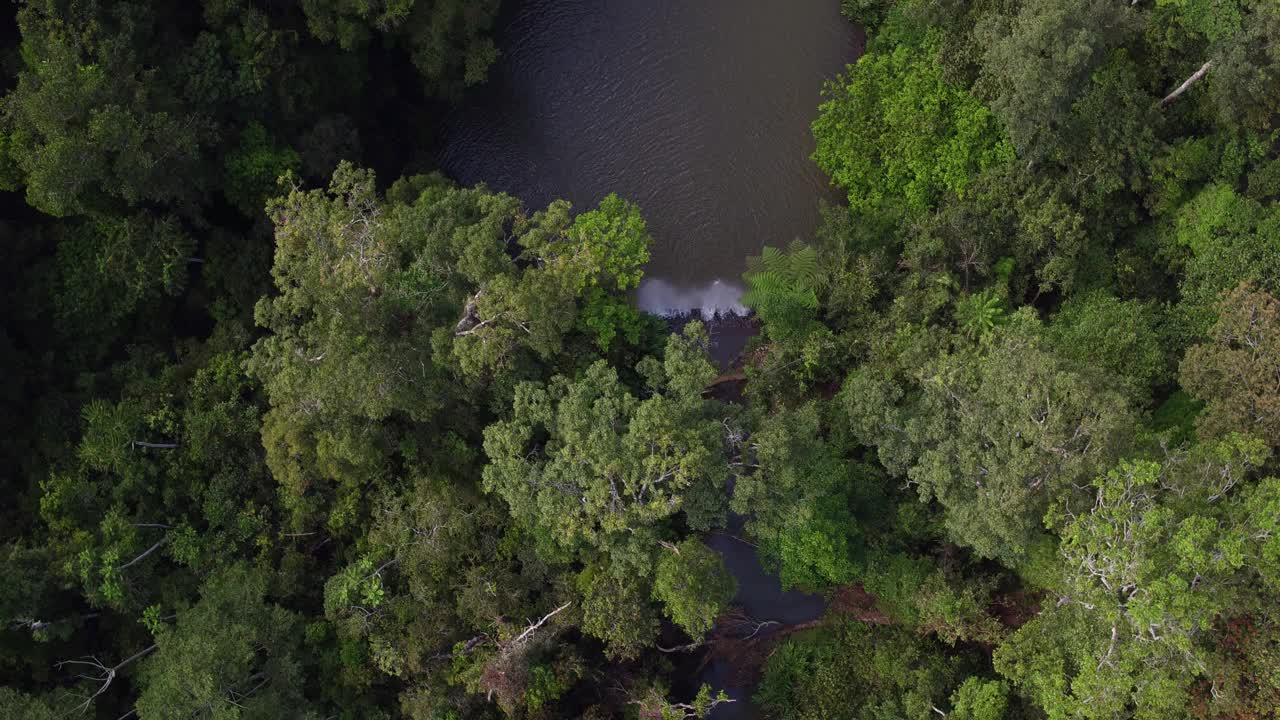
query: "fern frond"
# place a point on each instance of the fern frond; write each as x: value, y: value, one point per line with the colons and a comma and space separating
x: 804, y: 266
x: 781, y: 288
x: 809, y: 299
x: 773, y: 260
x: 768, y: 283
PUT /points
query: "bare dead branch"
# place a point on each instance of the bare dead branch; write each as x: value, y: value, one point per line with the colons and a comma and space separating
x: 534, y: 627
x: 1195, y: 77
x: 680, y: 648
x: 153, y: 446
x: 106, y: 675
x: 144, y: 555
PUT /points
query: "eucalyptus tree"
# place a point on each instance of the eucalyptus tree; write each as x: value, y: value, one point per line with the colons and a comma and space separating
x: 592, y: 463
x: 396, y: 315
x: 1151, y: 565
x: 603, y: 472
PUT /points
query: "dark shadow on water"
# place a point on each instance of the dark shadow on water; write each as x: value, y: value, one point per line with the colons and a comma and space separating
x: 728, y: 333
x: 761, y: 595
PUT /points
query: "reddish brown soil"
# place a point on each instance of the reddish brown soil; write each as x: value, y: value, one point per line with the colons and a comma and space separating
x: 856, y: 602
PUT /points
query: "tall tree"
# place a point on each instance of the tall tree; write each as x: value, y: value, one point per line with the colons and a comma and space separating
x: 590, y: 463
x: 693, y: 585
x: 1223, y: 239
x: 1162, y: 552
x: 1039, y: 59
x: 233, y: 654
x: 90, y: 125
x: 993, y: 432
x: 1237, y: 374
x: 896, y: 136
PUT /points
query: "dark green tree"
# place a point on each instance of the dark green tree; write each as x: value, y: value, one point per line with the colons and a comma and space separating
x: 90, y: 126
x: 693, y: 586
x: 234, y: 653
x: 853, y: 670
x: 1038, y: 61
x: 992, y: 432
x: 447, y: 40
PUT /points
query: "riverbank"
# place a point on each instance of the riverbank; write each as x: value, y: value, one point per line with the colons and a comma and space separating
x: 698, y: 112
x: 764, y: 611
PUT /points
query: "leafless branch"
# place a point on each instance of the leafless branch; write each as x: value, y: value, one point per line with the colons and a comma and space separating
x: 144, y: 555
x: 105, y: 675
x: 1195, y: 77
x: 534, y: 627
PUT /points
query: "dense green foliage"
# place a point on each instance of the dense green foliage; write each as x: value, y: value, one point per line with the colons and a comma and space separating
x: 1058, y: 333
x: 896, y: 135
x: 284, y: 438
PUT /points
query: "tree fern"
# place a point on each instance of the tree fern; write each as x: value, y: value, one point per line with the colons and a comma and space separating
x: 803, y: 264
x: 781, y: 289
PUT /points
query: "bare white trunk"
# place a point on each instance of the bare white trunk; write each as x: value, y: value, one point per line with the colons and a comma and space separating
x: 534, y: 627
x: 144, y: 555
x: 106, y: 675
x: 1195, y: 77
x: 154, y: 446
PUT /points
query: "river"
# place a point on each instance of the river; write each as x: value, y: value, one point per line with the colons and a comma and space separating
x: 698, y: 111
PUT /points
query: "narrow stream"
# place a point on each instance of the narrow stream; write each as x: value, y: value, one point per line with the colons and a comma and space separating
x: 697, y: 110
x: 762, y: 597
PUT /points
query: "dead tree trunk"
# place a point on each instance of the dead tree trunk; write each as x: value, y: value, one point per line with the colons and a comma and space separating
x: 1195, y: 77
x: 144, y: 554
x: 529, y: 631
x: 679, y: 648
x: 104, y: 675
x: 152, y: 446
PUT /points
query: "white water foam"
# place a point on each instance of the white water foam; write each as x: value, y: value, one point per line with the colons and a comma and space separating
x: 659, y: 297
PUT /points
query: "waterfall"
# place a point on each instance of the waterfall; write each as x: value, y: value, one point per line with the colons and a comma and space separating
x: 719, y: 297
